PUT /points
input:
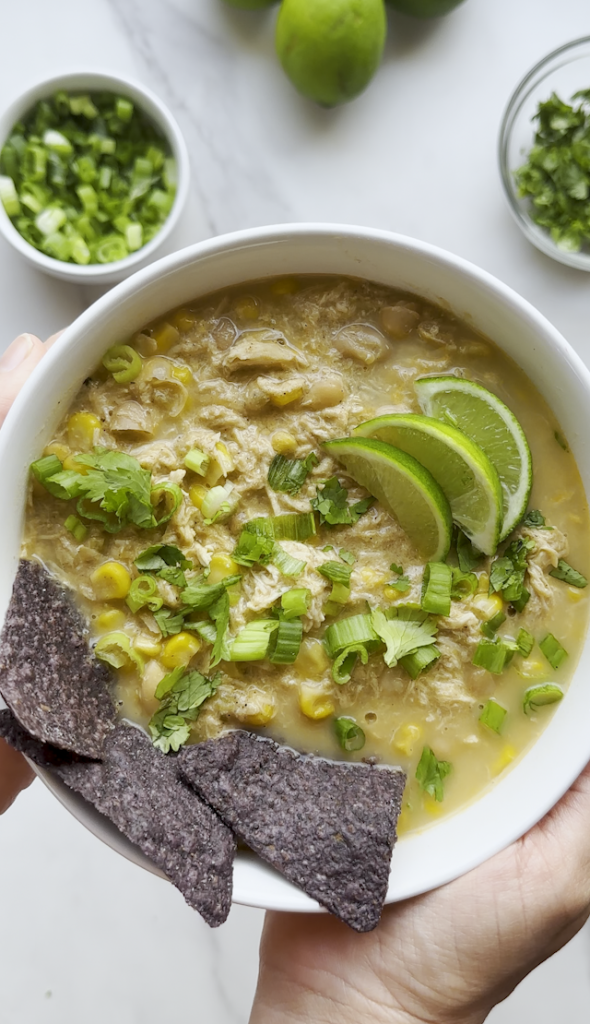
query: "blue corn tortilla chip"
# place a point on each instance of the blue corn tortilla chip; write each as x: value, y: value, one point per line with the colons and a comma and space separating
x: 328, y: 827
x: 138, y: 789
x: 49, y: 678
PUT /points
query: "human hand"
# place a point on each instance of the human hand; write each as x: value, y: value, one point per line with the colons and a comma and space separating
x: 446, y: 957
x: 16, y: 365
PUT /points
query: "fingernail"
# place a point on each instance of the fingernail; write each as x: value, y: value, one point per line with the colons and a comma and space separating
x: 16, y: 353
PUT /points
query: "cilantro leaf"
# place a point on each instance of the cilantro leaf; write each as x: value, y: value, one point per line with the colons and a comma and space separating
x: 507, y: 573
x: 534, y: 519
x: 431, y: 773
x: 402, y: 583
x: 289, y: 475
x: 401, y: 636
x: 181, y: 694
x: 165, y: 561
x: 569, y: 575
x: 169, y: 621
x: 331, y: 502
x: 468, y: 555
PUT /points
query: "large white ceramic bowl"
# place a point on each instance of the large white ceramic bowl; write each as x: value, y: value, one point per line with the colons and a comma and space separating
x: 513, y: 803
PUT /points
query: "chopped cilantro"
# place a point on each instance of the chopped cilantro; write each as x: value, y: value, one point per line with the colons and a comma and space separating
x: 289, y: 475
x: 431, y: 774
x: 508, y: 572
x: 181, y: 694
x: 165, y: 561
x: 534, y: 519
x: 468, y: 555
x: 401, y: 636
x: 346, y: 556
x: 569, y: 575
x: 331, y: 502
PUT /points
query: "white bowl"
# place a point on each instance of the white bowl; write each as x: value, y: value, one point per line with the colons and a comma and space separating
x: 517, y: 799
x: 98, y: 81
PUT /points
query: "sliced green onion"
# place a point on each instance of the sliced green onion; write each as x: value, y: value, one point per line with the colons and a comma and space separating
x: 339, y: 596
x: 492, y: 655
x: 539, y: 696
x: 292, y: 526
x: 289, y: 475
x: 50, y: 220
x: 295, y: 602
x: 252, y: 548
x: 356, y: 629
x: 349, y: 735
x: 197, y: 461
x: 134, y: 237
x: 170, y: 496
x: 343, y: 665
x: 76, y: 528
x: 123, y: 362
x: 431, y: 773
x: 286, y: 563
x: 45, y: 468
x: 336, y: 572
x: 436, y: 588
x: 58, y: 142
x: 569, y: 575
x: 346, y: 556
x: 219, y: 504
x: 492, y: 625
x: 525, y: 642
x: 464, y: 584
x: 553, y: 651
x: 410, y: 612
x: 285, y: 642
x: 9, y: 196
x: 521, y: 602
x: 207, y: 630
x: 144, y: 591
x: 252, y: 642
x: 116, y: 650
x: 419, y: 660
x: 493, y: 716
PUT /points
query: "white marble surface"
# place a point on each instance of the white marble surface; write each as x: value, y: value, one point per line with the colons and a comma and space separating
x: 85, y: 936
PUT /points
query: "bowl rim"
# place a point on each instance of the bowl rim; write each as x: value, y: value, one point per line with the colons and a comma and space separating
x: 534, y: 233
x: 274, y: 892
x: 97, y: 273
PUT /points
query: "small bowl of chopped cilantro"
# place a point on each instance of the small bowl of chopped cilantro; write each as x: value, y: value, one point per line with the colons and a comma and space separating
x: 545, y: 154
x: 93, y: 176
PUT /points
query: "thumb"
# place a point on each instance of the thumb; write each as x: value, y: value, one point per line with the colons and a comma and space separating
x: 16, y: 365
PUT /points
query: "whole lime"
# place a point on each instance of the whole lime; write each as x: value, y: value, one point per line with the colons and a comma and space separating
x: 330, y: 49
x: 425, y: 8
x: 250, y: 5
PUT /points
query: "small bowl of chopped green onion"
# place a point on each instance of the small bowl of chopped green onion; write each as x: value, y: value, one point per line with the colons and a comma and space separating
x: 93, y: 176
x: 545, y: 154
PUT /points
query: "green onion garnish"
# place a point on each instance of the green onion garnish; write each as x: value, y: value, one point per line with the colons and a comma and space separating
x: 349, y: 735
x: 197, y: 461
x: 144, y: 591
x: 431, y: 773
x: 289, y: 475
x: 539, y: 696
x: 76, y: 528
x: 356, y: 629
x: 464, y: 584
x: 252, y: 642
x: 492, y: 625
x: 553, y: 651
x: 420, y: 660
x: 493, y: 716
x: 339, y: 575
x: 116, y: 650
x: 520, y: 604
x: 493, y: 655
x: 569, y: 575
x: 284, y: 642
x: 339, y: 596
x: 436, y: 588
x: 295, y: 602
x: 286, y: 563
x: 525, y: 642
x: 123, y: 362
x: 219, y: 504
x: 84, y: 184
x: 343, y: 665
x: 346, y: 556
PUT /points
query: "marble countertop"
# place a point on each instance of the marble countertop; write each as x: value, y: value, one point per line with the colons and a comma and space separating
x: 87, y: 936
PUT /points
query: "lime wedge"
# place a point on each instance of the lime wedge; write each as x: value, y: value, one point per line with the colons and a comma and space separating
x: 463, y: 471
x: 487, y: 421
x: 403, y: 487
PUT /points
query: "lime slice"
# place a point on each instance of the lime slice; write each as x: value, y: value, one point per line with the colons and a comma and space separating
x: 487, y: 421
x: 463, y: 471
x: 403, y: 487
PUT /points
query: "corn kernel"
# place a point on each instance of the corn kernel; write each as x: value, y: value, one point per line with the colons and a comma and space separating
x: 283, y: 443
x: 183, y: 374
x: 391, y: 594
x: 179, y: 650
x: 286, y: 397
x: 78, y: 467
x: 110, y: 620
x: 575, y: 594
x: 184, y: 319
x: 55, y: 448
x: 197, y: 493
x: 165, y: 336
x: 284, y: 286
x: 315, y: 703
x: 111, y: 581
x: 506, y: 757
x: 530, y: 669
x: 483, y: 583
x: 247, y: 307
x: 145, y: 645
x: 431, y: 806
x: 224, y: 458
x: 214, y: 473
x: 406, y: 737
x: 312, y: 659
x: 82, y: 430
x: 486, y: 606
x: 220, y: 567
x: 259, y: 712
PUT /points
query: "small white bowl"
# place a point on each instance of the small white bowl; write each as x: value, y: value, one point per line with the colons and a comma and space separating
x: 98, y: 81
x: 516, y: 800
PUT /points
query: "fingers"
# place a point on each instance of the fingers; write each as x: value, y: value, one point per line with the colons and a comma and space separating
x: 16, y: 365
x: 53, y: 338
x: 15, y: 775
